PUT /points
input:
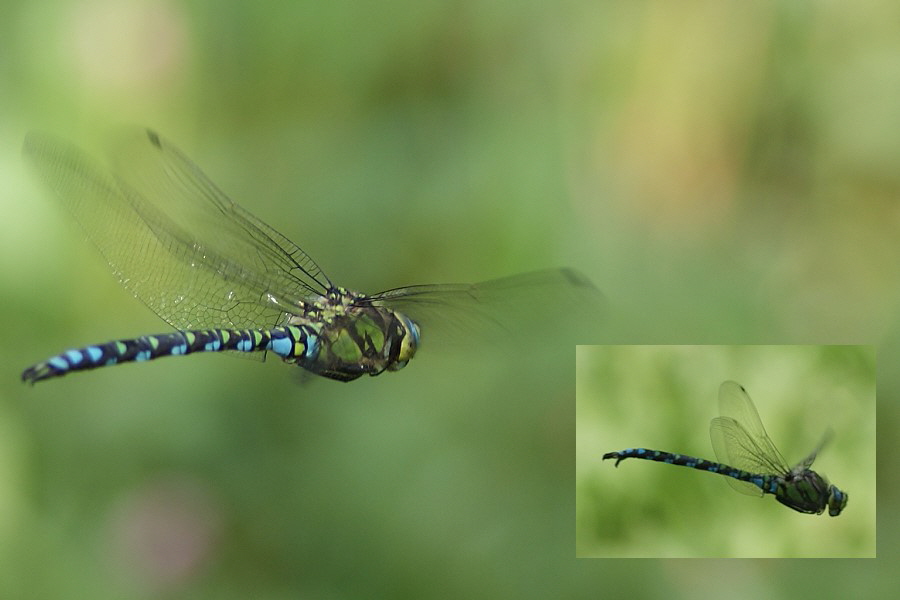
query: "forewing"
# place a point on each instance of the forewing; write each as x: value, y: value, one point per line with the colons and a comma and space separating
x: 735, y: 402
x: 172, y: 238
x: 740, y: 440
x: 808, y: 461
x: 558, y: 306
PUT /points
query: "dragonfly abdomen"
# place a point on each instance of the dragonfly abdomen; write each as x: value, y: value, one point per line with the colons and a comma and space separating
x: 766, y: 483
x: 289, y: 342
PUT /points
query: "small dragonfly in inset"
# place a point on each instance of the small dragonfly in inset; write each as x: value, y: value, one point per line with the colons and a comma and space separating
x: 750, y: 460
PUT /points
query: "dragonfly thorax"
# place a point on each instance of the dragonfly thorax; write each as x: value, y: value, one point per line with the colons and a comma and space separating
x: 808, y: 492
x: 355, y: 338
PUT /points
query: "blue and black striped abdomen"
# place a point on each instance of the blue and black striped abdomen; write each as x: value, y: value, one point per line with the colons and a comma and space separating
x: 766, y: 483
x: 296, y: 343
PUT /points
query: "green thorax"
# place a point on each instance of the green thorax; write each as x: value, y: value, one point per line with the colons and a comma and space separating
x: 355, y: 337
x: 808, y: 492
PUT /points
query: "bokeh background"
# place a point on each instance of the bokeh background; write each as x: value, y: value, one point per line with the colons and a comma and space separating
x: 725, y: 173
x: 663, y: 398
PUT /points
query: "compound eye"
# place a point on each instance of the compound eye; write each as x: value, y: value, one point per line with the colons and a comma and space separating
x: 410, y: 341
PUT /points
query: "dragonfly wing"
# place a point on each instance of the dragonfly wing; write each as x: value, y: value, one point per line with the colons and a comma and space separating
x: 162, y: 172
x: 173, y: 239
x: 740, y: 440
x: 558, y: 305
x: 733, y: 447
x: 735, y: 402
x: 807, y: 462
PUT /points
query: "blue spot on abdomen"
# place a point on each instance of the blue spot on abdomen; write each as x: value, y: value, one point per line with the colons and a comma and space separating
x: 281, y: 346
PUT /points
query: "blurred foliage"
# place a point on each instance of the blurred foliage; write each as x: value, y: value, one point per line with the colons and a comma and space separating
x: 724, y: 172
x: 663, y: 397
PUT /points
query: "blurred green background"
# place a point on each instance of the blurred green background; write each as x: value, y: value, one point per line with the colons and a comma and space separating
x: 725, y: 173
x: 663, y: 398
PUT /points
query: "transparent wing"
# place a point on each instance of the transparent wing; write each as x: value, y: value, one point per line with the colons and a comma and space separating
x: 558, y: 306
x: 807, y: 462
x: 172, y: 238
x: 740, y: 440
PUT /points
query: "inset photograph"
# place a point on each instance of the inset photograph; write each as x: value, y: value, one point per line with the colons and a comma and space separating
x: 725, y: 451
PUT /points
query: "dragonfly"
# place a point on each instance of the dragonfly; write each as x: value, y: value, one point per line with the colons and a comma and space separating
x: 751, y: 461
x: 227, y: 281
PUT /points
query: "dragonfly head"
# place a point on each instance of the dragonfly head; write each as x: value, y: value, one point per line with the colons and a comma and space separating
x: 408, y: 336
x: 837, y: 500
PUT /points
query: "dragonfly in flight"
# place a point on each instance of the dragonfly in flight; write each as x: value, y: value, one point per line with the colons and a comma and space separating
x: 227, y: 281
